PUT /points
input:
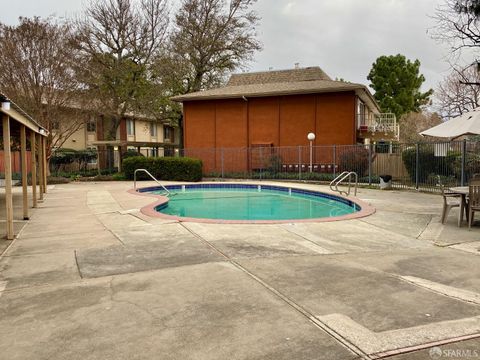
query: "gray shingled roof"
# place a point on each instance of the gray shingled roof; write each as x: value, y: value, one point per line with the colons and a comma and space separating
x: 278, y: 76
x: 310, y: 80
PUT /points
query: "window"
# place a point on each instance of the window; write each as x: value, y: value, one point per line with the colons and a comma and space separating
x: 130, y: 127
x: 55, y: 125
x: 361, y: 114
x: 91, y: 125
x: 168, y: 134
x: 153, y: 129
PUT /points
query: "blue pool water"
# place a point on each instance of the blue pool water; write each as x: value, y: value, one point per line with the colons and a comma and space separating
x: 251, y: 202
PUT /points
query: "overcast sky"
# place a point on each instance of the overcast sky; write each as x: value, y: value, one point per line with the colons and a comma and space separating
x: 344, y: 37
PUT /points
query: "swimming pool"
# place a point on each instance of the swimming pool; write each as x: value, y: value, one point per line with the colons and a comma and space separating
x: 221, y: 202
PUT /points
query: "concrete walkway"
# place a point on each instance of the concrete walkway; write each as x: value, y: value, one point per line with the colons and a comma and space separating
x: 90, y: 277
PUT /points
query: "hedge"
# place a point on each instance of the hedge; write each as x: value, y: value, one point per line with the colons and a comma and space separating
x: 429, y: 164
x: 62, y: 157
x: 164, y: 168
x: 353, y: 158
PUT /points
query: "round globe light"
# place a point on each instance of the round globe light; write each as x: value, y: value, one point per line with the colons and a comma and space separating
x: 311, y: 136
x: 6, y: 105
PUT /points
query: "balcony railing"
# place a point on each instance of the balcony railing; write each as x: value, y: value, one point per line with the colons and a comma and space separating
x: 385, y: 123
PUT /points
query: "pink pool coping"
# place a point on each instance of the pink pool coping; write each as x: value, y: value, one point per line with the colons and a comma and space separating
x: 149, y: 210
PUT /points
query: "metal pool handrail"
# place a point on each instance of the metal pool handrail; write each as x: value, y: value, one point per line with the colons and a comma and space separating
x: 153, y: 177
x: 340, y: 178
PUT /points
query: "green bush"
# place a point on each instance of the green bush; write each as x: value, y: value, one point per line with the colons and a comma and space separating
x: 130, y: 153
x: 119, y: 177
x: 274, y: 164
x: 429, y: 164
x: 354, y: 158
x: 164, y: 168
x: 472, y: 164
x: 62, y: 157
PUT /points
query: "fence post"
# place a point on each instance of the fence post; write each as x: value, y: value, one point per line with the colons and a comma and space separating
x: 464, y: 159
x: 299, y: 162
x: 334, y: 160
x: 261, y: 162
x: 417, y: 165
x: 370, y: 164
x: 222, y: 161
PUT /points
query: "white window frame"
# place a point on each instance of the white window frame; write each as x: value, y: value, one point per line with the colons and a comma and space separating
x: 130, y: 127
x: 167, y: 139
x: 153, y: 129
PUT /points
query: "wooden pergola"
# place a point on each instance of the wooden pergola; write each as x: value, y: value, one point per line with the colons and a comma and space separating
x: 17, y: 123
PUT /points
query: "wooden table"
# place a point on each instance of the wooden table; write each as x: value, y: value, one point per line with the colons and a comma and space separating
x: 463, y: 191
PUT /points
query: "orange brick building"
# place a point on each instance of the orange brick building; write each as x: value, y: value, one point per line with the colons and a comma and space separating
x: 275, y: 109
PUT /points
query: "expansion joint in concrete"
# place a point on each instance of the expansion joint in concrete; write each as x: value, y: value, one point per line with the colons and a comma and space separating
x: 309, y: 316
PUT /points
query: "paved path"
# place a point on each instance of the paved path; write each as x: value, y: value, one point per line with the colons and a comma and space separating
x: 90, y: 277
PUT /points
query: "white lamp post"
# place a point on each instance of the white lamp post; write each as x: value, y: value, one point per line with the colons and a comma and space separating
x: 311, y: 137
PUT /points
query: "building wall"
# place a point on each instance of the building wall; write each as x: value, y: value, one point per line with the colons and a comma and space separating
x: 271, y: 121
x: 78, y: 140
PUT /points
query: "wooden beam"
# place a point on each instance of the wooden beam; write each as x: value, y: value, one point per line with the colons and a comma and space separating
x: 23, y: 154
x: 45, y: 165
x: 40, y: 165
x: 8, y: 176
x: 33, y: 146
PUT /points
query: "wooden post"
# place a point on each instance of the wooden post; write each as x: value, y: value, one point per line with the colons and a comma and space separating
x: 119, y: 159
x: 34, y: 167
x: 40, y: 165
x: 8, y: 176
x: 23, y: 154
x: 45, y: 167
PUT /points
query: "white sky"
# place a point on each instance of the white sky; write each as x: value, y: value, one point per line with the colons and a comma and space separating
x: 344, y: 37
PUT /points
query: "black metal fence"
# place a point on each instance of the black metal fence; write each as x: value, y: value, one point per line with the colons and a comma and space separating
x: 414, y: 166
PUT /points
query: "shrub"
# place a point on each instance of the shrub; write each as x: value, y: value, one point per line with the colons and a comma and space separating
x: 472, y: 164
x: 429, y: 164
x: 130, y: 153
x: 62, y: 157
x: 354, y: 158
x: 164, y: 168
x: 83, y: 157
x: 274, y: 164
x: 119, y: 177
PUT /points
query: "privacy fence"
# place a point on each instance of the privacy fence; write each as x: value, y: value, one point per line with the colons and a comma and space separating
x: 414, y: 166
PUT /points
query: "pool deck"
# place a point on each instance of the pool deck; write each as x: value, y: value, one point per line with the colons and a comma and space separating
x: 91, y: 277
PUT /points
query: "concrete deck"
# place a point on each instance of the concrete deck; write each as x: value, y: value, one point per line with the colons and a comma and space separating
x: 90, y: 277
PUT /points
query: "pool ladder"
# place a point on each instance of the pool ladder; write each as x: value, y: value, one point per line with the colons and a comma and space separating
x: 167, y: 193
x: 346, y: 175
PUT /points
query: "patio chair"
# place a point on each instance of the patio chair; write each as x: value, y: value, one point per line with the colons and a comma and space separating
x: 448, y: 205
x: 473, y: 202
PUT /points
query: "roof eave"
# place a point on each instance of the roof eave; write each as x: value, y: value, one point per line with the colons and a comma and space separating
x: 28, y: 122
x: 265, y: 94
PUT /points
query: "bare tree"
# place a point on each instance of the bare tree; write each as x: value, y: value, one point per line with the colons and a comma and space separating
x: 36, y: 61
x: 210, y: 38
x: 118, y: 40
x: 458, y: 92
x: 413, y: 123
x: 458, y: 24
